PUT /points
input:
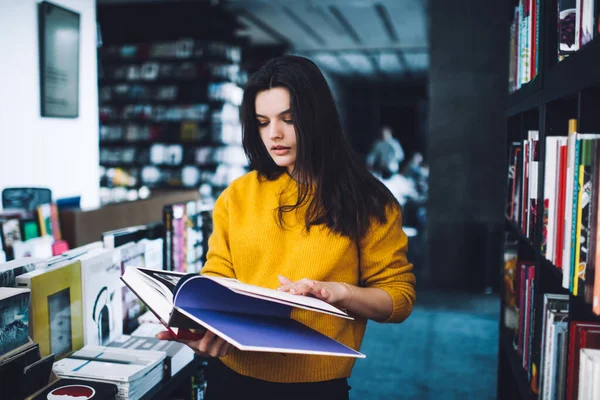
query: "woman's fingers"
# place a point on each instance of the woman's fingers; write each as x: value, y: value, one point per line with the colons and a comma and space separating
x: 165, y: 335
x: 302, y: 287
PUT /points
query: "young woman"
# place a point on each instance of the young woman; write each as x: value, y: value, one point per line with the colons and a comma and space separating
x: 309, y: 219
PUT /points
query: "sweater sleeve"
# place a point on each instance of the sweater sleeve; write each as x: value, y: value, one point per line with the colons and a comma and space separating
x: 218, y: 257
x: 383, y: 264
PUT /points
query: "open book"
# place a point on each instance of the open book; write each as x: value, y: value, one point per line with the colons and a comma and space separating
x: 249, y: 317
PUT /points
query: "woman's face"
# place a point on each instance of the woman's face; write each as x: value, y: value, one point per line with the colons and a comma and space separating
x: 275, y: 125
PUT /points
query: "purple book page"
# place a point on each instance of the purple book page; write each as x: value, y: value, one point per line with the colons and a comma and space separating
x: 268, y: 334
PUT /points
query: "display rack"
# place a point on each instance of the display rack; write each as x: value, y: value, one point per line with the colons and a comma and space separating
x: 169, y: 115
x: 569, y: 89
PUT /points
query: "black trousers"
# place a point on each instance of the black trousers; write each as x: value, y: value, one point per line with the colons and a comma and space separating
x: 223, y: 384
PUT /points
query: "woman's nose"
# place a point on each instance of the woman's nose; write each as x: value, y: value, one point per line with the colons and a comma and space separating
x: 275, y: 131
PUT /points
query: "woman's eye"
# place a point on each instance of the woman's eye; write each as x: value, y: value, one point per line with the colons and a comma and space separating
x: 261, y: 124
x: 288, y: 121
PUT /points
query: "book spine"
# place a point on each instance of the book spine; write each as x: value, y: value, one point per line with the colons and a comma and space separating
x: 591, y: 265
x: 575, y: 218
x: 596, y: 280
x: 533, y: 184
x: 168, y: 243
x: 585, y: 213
x: 566, y: 259
x: 550, y: 178
x: 560, y: 207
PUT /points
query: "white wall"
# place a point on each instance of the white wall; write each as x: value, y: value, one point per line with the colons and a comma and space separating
x: 58, y: 153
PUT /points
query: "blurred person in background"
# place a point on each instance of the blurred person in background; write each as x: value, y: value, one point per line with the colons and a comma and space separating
x: 386, y: 155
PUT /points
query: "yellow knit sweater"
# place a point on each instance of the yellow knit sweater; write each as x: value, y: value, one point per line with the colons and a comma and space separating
x: 249, y: 245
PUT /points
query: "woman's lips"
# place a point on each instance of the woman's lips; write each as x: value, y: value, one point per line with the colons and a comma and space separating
x: 280, y: 150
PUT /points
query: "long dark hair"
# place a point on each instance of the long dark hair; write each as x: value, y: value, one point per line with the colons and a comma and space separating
x: 346, y: 195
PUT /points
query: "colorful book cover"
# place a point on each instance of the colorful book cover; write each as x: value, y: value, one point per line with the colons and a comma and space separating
x: 45, y: 219
x: 581, y: 335
x: 574, y: 232
x: 569, y: 197
x: 577, y: 216
x: 567, y: 19
x: 585, y: 211
x: 29, y: 229
x: 56, y: 321
x: 14, y: 318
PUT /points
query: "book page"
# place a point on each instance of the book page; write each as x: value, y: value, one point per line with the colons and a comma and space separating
x: 306, y: 302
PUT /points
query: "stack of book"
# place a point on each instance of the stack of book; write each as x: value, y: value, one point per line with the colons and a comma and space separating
x: 177, y: 355
x: 134, y: 372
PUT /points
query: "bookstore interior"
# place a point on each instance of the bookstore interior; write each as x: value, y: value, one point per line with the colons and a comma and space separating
x: 76, y: 321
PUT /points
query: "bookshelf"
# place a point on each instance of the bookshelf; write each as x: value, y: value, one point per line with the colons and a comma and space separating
x: 169, y: 115
x: 569, y: 89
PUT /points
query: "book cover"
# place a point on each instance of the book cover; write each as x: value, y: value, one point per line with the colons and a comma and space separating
x: 178, y: 355
x: 569, y: 196
x: 567, y: 18
x: 249, y: 317
x: 102, y: 304
x: 11, y: 269
x: 550, y: 183
x: 14, y: 318
x: 552, y: 303
x: 44, y: 213
x: 131, y: 254
x: 109, y: 364
x: 29, y: 228
x: 560, y: 210
x: 56, y: 308
x: 40, y: 247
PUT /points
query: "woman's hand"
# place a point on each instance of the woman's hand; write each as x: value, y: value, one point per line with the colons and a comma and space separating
x: 331, y: 292
x: 209, y: 345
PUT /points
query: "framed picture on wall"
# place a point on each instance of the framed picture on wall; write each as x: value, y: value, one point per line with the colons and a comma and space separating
x: 59, y: 61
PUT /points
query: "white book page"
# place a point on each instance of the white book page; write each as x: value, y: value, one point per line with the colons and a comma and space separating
x: 154, y: 298
x: 305, y: 302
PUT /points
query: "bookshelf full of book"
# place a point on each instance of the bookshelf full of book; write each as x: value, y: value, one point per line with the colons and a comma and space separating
x: 550, y: 319
x: 169, y: 116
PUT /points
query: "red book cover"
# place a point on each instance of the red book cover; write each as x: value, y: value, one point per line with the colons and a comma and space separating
x: 582, y: 335
x: 522, y: 297
x: 59, y: 247
x: 560, y: 218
